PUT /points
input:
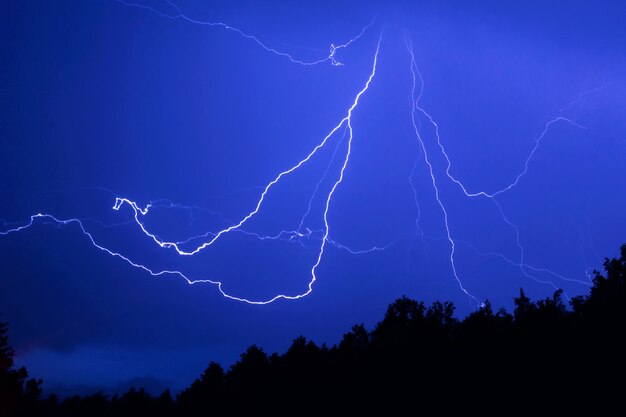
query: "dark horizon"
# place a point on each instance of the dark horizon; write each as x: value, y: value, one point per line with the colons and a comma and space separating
x: 416, y: 357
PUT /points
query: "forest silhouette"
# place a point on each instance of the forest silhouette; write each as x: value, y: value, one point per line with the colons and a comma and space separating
x: 544, y: 352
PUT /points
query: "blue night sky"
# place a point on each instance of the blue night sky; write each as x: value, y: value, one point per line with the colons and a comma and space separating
x: 102, y: 100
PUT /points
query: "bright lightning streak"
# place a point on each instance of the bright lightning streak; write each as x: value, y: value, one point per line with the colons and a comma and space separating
x: 492, y: 196
x: 319, y: 183
x: 524, y: 266
x: 414, y: 109
x: 296, y: 235
x: 518, y: 177
x: 322, y: 235
x: 520, y: 266
x: 180, y: 15
x: 347, y: 121
x: 94, y: 243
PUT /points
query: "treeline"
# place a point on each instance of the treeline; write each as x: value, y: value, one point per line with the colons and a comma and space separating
x: 544, y: 352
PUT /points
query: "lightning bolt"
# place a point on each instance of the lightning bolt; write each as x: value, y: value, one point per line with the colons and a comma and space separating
x: 414, y: 109
x: 138, y: 211
x: 331, y: 57
x: 521, y: 264
x: 321, y: 235
x: 518, y: 177
x: 143, y: 211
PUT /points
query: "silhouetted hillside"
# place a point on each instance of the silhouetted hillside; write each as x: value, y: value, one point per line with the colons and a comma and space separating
x: 545, y: 353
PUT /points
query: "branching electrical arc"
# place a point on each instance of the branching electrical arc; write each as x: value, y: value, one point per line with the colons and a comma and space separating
x: 344, y: 136
x: 179, y: 15
x: 491, y: 196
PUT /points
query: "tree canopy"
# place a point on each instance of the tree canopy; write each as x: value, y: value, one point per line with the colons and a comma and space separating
x: 417, y: 355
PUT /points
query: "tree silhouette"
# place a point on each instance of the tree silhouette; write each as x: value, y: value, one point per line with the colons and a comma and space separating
x: 18, y: 394
x: 247, y: 380
x: 205, y: 393
x: 415, y: 357
x: 6, y: 351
